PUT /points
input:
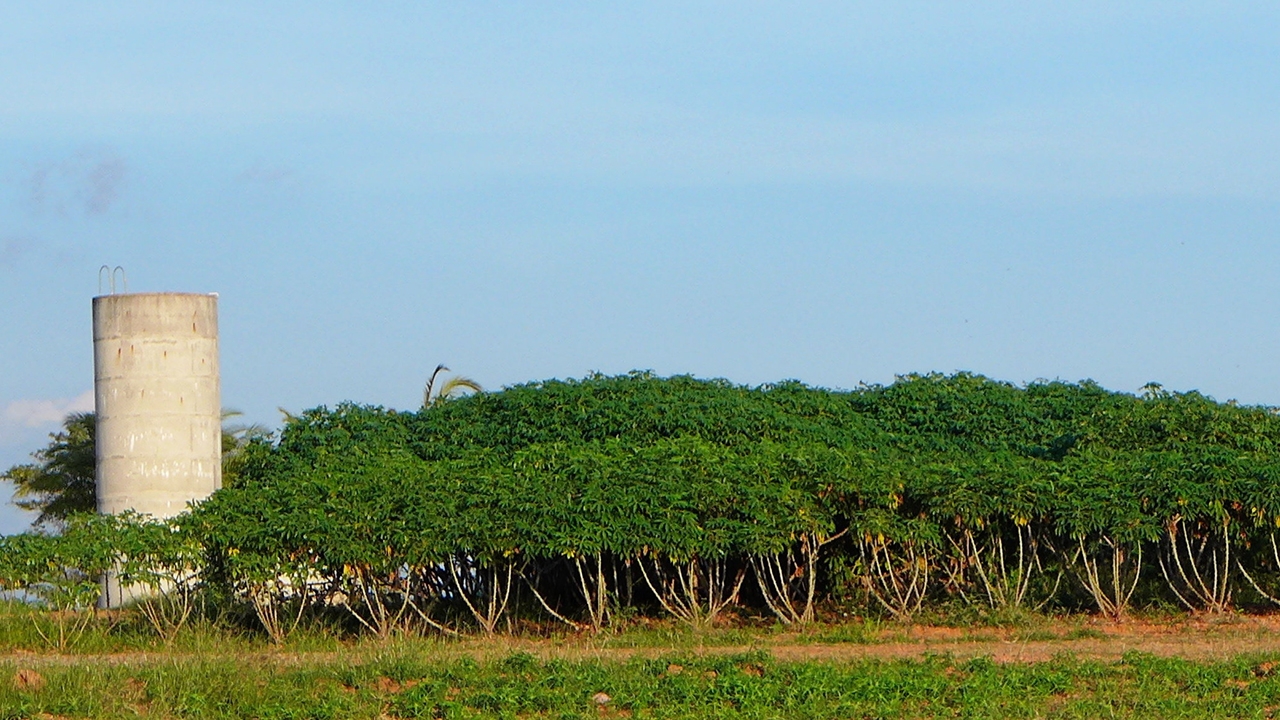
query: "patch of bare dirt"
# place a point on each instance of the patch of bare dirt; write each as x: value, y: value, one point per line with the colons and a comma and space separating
x: 28, y: 679
x: 1195, y: 638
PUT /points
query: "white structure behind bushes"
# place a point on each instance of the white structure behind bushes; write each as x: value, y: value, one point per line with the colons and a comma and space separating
x: 158, y: 403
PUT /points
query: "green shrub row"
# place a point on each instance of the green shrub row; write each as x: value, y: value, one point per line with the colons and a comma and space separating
x: 580, y: 500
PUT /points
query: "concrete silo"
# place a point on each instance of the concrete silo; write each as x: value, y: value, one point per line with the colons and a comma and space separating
x: 158, y: 402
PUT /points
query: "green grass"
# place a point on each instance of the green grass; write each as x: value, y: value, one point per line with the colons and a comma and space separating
x: 217, y: 668
x: 129, y: 632
x: 119, y: 632
x: 755, y: 687
x: 857, y: 631
x: 403, y: 683
x: 676, y: 635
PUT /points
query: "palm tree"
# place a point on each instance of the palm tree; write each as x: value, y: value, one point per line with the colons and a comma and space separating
x: 236, y: 438
x: 61, y: 481
x: 450, y: 389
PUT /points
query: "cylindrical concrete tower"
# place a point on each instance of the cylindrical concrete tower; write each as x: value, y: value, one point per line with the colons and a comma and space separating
x: 158, y: 402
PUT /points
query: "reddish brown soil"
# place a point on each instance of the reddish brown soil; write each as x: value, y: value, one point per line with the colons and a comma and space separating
x: 1197, y: 638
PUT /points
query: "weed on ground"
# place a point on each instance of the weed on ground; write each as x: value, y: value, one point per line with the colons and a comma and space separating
x: 399, y: 683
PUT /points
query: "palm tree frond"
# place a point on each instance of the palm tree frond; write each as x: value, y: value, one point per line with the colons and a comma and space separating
x: 450, y: 389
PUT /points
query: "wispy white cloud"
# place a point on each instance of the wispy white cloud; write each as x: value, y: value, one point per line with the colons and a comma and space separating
x: 35, y: 413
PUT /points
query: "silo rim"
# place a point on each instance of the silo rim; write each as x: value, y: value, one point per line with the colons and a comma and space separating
x: 156, y: 294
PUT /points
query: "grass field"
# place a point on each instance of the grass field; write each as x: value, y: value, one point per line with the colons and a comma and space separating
x: 1020, y: 667
x: 401, y: 682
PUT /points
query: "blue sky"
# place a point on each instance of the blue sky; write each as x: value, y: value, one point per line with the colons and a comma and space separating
x: 831, y: 192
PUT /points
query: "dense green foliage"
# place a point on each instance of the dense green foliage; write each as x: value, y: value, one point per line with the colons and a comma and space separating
x: 674, y: 686
x: 688, y: 496
x: 580, y: 500
x: 60, y: 483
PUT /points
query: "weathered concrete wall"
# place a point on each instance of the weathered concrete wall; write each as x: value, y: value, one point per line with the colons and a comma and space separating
x: 158, y: 402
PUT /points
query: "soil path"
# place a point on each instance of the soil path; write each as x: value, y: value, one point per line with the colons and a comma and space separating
x: 1216, y: 639
x: 1193, y: 640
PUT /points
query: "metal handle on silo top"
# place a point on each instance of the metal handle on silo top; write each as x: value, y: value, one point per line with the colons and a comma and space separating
x: 111, y: 279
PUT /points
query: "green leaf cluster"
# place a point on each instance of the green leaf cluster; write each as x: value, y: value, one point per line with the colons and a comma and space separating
x: 670, y: 490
